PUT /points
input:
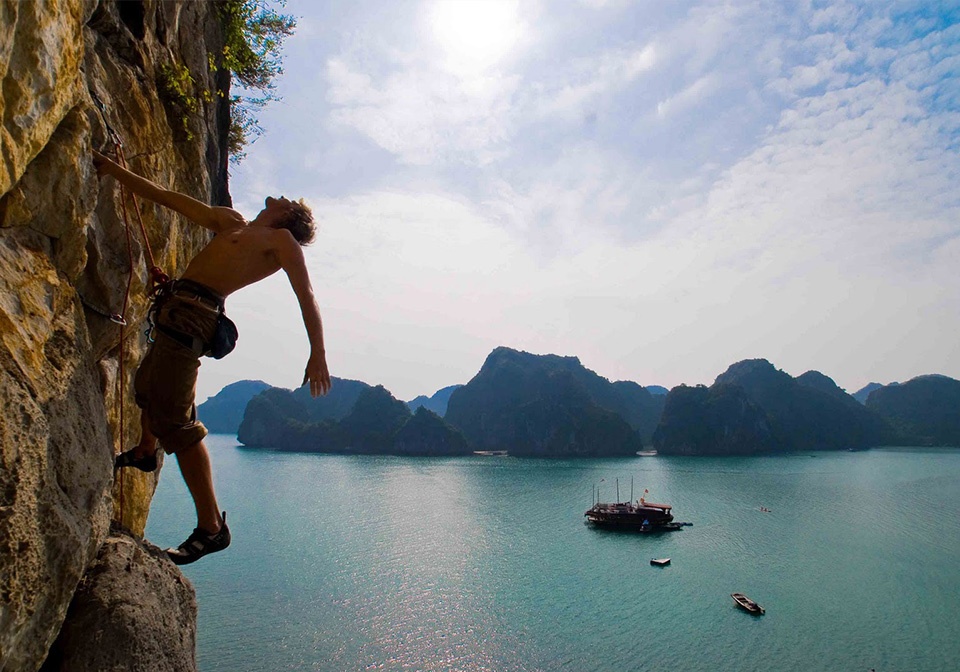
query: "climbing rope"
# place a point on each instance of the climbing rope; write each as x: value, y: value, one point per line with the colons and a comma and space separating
x: 159, y: 280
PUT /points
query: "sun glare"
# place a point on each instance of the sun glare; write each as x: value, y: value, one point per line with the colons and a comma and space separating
x: 475, y: 34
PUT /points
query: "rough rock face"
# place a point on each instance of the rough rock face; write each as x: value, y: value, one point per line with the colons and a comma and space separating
x: 64, y: 267
x: 41, y: 46
x: 134, y: 611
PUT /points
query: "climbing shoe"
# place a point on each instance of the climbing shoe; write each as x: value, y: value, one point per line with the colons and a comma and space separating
x: 130, y: 459
x: 200, y: 543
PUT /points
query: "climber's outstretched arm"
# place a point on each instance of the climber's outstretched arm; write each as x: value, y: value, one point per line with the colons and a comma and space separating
x: 216, y: 219
x: 289, y: 254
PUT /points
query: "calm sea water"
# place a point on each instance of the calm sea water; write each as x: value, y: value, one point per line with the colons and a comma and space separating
x: 382, y: 563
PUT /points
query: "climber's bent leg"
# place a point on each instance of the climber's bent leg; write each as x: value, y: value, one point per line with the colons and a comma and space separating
x: 148, y: 442
x: 143, y: 456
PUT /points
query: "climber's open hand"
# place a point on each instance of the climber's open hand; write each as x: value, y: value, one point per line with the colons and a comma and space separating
x: 317, y: 374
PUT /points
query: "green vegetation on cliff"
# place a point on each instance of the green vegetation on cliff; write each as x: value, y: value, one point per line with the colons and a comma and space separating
x: 755, y: 408
x: 719, y: 420
x: 254, y: 33
x: 550, y: 406
x: 924, y: 411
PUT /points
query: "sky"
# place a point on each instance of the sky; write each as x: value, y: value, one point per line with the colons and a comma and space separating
x: 658, y: 188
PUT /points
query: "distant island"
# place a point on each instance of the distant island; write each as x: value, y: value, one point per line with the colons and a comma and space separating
x: 924, y: 411
x: 863, y: 393
x: 552, y: 406
x: 353, y: 418
x: 223, y: 412
x: 754, y: 408
x: 436, y: 403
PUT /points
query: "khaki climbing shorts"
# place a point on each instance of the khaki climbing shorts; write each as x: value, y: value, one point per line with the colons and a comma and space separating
x: 166, y: 383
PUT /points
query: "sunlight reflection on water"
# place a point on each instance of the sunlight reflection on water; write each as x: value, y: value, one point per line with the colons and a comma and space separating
x: 378, y: 563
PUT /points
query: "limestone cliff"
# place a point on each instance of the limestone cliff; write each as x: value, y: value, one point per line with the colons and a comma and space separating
x: 64, y: 268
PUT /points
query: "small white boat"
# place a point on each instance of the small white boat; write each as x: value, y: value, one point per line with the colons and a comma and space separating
x: 660, y: 562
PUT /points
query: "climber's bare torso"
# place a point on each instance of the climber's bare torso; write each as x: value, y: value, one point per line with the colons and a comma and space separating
x: 237, y: 257
x: 242, y: 253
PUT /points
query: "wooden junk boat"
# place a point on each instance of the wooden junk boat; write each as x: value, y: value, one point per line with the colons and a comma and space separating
x: 642, y: 516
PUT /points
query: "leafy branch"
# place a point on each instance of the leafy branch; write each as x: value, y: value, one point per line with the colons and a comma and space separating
x: 254, y: 33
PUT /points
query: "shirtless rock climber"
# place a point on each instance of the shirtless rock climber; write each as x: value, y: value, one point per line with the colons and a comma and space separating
x: 187, y: 319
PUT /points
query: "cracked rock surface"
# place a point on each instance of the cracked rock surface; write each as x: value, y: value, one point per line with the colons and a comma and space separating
x: 65, y: 380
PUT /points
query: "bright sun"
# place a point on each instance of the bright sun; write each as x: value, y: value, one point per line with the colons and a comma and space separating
x: 475, y: 34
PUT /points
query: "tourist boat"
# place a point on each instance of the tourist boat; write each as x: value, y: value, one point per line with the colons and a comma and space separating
x: 746, y: 603
x: 642, y: 516
x: 660, y: 562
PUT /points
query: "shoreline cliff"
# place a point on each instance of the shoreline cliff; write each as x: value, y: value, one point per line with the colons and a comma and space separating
x: 64, y: 268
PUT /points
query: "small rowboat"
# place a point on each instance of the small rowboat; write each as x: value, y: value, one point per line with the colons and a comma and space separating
x: 660, y: 562
x: 746, y: 603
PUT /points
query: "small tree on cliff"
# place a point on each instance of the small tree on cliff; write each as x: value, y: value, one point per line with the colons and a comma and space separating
x: 254, y: 33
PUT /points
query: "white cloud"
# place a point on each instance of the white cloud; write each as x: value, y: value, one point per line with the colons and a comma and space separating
x: 424, y: 116
x: 692, y: 96
x: 590, y: 79
x: 796, y: 199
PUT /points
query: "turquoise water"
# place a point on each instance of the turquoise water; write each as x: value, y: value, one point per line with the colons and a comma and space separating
x: 382, y: 563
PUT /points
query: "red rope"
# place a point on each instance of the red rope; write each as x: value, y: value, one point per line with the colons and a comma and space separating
x: 157, y: 276
x: 123, y: 315
x: 158, y: 279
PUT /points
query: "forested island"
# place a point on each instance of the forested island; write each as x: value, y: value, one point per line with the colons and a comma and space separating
x: 552, y: 406
x: 754, y: 408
